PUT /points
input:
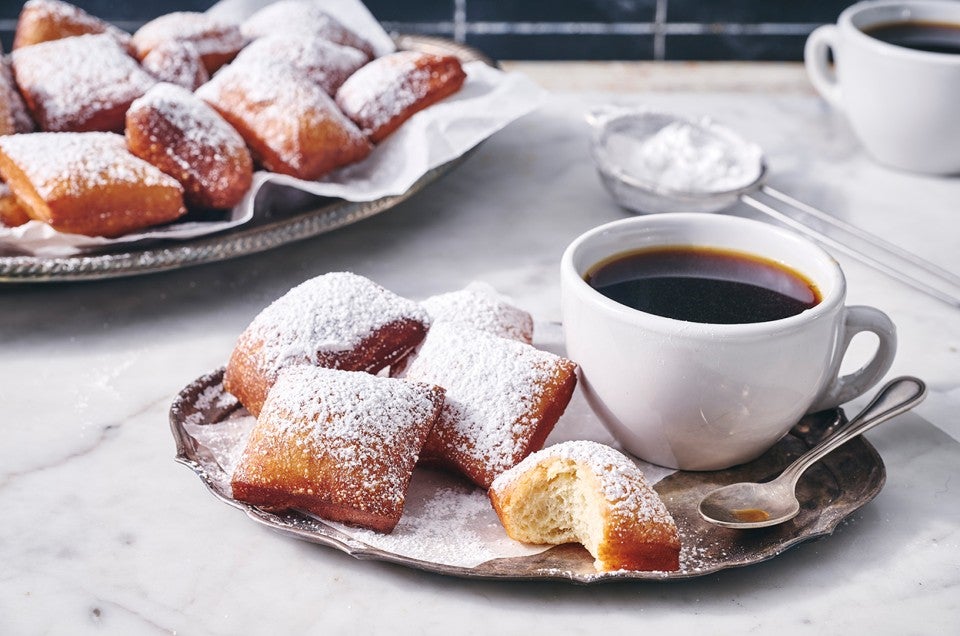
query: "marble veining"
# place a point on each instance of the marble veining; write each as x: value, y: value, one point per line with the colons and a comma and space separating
x: 104, y: 533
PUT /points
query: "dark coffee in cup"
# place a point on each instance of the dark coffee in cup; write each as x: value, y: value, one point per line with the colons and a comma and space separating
x: 704, y: 284
x: 933, y: 37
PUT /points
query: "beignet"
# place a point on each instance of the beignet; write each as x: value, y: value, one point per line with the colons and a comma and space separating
x: 341, y: 445
x: 87, y: 183
x: 478, y: 305
x: 302, y: 16
x: 391, y: 89
x: 290, y: 124
x: 177, y: 62
x: 503, y: 398
x: 179, y: 133
x: 77, y: 84
x: 339, y: 320
x: 217, y: 40
x: 324, y: 62
x: 588, y: 493
x: 46, y: 20
x: 13, y: 112
x: 12, y: 213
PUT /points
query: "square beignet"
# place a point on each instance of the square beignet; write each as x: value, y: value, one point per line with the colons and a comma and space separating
x: 178, y: 62
x: 217, y: 40
x: 325, y: 63
x: 339, y: 320
x: 478, y: 305
x: 391, y: 89
x: 87, y: 183
x: 182, y: 135
x: 290, y: 124
x: 78, y: 84
x: 341, y: 445
x: 302, y: 16
x: 503, y: 398
x: 46, y: 20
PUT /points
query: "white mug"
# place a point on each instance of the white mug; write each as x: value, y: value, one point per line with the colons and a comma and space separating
x: 901, y: 103
x: 699, y: 396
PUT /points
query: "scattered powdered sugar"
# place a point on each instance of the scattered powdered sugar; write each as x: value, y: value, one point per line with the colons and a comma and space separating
x: 330, y: 313
x: 688, y: 157
x: 480, y: 306
x: 493, y: 387
x: 325, y: 63
x: 72, y: 163
x: 447, y: 522
x: 71, y: 80
x: 385, y: 88
x: 302, y: 16
x: 623, y: 485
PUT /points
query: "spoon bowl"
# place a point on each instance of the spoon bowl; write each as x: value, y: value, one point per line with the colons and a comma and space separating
x: 759, y: 505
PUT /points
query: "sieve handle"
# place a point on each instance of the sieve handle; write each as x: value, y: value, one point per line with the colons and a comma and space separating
x: 883, y: 256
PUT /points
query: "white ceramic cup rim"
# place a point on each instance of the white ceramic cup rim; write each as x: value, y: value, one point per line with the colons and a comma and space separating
x: 832, y: 290
x: 855, y: 18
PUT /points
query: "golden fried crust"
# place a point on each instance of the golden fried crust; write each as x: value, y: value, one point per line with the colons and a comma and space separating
x: 90, y: 93
x: 503, y: 399
x: 290, y: 124
x: 45, y: 20
x: 588, y: 493
x: 87, y: 183
x: 184, y: 137
x: 218, y: 41
x: 341, y: 445
x: 338, y: 320
x: 390, y: 89
x: 13, y: 112
x: 12, y: 213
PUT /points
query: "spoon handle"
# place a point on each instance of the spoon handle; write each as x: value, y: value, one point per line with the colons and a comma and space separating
x: 899, y: 395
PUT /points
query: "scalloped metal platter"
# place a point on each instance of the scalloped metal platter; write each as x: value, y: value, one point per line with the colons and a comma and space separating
x: 830, y: 491
x: 303, y: 218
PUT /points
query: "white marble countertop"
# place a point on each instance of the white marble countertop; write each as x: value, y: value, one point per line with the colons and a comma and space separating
x: 104, y: 533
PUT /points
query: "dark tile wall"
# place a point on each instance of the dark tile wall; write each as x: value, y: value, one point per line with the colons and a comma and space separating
x: 562, y: 30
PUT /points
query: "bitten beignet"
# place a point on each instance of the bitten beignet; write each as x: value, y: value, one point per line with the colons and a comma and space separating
x: 503, y: 398
x: 341, y: 445
x: 588, y: 493
x: 179, y: 133
x: 391, y: 89
x: 339, y: 320
x: 78, y: 84
x: 217, y: 40
x: 46, y: 20
x: 290, y: 124
x: 87, y: 183
x: 302, y: 16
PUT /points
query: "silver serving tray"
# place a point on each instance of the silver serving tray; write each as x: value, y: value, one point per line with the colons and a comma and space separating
x: 830, y: 491
x: 303, y: 217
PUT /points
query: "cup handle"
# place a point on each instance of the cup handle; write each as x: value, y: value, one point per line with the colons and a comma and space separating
x: 845, y: 388
x: 823, y: 77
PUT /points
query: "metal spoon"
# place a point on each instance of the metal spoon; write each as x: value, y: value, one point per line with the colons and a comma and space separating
x: 752, y: 505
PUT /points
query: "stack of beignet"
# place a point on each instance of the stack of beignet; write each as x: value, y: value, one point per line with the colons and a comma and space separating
x: 274, y: 80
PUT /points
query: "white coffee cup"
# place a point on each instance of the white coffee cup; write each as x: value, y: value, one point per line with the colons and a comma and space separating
x: 901, y: 102
x: 699, y: 396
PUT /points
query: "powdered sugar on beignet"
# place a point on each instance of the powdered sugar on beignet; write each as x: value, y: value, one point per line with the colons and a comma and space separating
x: 177, y: 62
x: 83, y: 83
x: 324, y: 62
x: 217, y: 40
x: 503, y: 398
x: 302, y: 16
x: 46, y: 20
x: 338, y: 320
x: 478, y: 305
x: 339, y: 444
x: 588, y: 493
x: 187, y: 139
